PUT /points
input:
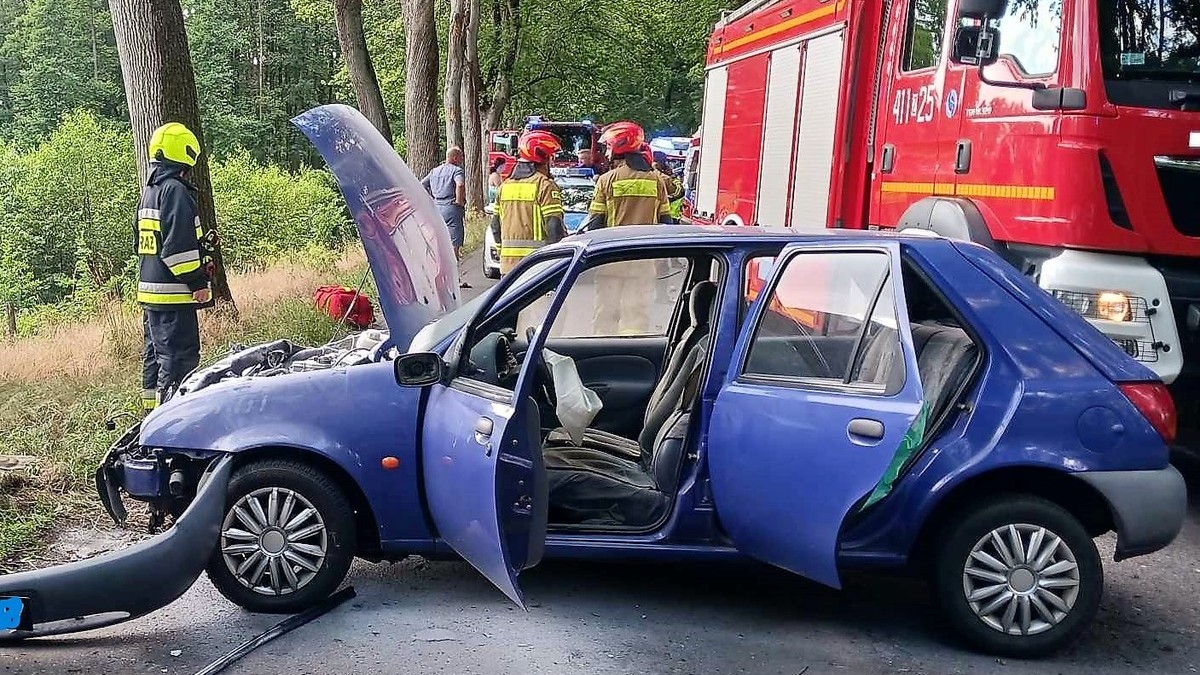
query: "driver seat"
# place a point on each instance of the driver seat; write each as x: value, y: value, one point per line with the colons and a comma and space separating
x: 701, y: 300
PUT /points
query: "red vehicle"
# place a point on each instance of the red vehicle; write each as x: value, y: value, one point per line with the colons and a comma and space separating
x: 575, y: 136
x: 1064, y: 134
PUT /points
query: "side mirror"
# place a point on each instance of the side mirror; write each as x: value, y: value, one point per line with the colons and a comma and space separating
x: 976, y: 45
x: 419, y: 369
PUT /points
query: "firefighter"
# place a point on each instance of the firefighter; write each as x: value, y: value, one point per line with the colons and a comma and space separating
x: 628, y: 194
x: 672, y: 183
x: 174, y: 264
x: 529, y: 211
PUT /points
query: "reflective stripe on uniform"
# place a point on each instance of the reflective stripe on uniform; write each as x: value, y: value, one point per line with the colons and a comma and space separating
x: 183, y: 263
x: 163, y: 294
x: 635, y: 187
x: 149, y: 399
x: 519, y: 248
x: 154, y: 214
x: 597, y: 207
x: 518, y: 192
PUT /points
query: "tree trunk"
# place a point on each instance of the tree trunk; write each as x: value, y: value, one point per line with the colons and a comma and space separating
x: 353, y: 43
x: 497, y: 86
x: 160, y: 87
x: 456, y: 46
x: 11, y: 311
x: 475, y: 149
x: 420, y: 87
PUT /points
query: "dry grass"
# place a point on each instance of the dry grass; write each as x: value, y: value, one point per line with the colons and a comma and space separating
x: 91, y: 349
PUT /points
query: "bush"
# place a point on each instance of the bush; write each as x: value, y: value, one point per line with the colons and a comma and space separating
x: 264, y: 212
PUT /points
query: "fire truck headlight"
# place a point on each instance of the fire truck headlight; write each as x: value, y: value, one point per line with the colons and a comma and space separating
x: 1113, y: 306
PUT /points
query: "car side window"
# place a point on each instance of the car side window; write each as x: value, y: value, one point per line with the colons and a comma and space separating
x: 627, y: 298
x: 923, y: 34
x: 830, y: 320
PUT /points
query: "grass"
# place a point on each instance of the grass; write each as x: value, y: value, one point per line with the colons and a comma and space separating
x: 58, y: 388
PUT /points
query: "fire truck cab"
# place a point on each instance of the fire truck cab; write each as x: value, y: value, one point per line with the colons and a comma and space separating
x: 1063, y: 134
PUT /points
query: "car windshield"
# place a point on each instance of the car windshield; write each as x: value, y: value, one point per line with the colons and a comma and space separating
x: 1150, y: 39
x: 577, y: 197
x: 574, y: 137
x: 436, y: 331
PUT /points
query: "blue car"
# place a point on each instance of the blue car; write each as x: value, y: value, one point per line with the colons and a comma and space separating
x: 818, y: 401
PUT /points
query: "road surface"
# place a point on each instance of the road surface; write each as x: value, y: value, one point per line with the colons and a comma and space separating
x: 442, y: 617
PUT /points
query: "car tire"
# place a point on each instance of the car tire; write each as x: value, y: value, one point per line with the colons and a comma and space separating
x: 306, y: 535
x: 490, y: 272
x: 1000, y: 599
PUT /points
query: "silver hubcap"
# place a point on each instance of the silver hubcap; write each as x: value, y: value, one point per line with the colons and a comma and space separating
x: 1021, y: 579
x: 274, y: 541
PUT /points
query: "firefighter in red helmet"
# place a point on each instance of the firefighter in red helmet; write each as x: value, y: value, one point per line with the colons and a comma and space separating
x: 529, y: 211
x: 628, y: 194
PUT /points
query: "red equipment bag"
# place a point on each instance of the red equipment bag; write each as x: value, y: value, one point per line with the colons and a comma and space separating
x: 339, y: 302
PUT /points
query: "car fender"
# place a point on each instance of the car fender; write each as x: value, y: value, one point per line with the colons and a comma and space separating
x: 354, y: 417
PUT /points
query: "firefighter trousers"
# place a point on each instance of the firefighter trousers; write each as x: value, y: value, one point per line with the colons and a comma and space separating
x: 171, y: 350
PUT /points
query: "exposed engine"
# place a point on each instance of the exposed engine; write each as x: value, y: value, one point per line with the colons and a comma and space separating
x: 282, y: 356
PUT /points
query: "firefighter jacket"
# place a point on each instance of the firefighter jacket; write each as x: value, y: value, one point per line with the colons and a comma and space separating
x: 628, y: 196
x: 674, y: 188
x: 167, y: 239
x: 530, y: 212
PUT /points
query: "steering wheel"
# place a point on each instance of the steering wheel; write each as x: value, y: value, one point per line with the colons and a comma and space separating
x: 544, y: 374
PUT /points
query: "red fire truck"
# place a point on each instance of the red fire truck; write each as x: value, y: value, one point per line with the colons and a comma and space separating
x: 1064, y: 134
x: 575, y: 136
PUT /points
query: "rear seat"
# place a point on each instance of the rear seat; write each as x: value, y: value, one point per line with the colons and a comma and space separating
x: 945, y: 355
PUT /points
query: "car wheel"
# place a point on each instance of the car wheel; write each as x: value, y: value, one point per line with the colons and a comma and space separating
x: 287, y: 539
x: 1018, y: 576
x: 491, y: 272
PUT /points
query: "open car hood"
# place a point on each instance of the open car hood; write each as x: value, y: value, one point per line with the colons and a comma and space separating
x: 407, y: 243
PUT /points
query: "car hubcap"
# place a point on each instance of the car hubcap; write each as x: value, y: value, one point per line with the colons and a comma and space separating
x: 1021, y: 579
x: 274, y: 541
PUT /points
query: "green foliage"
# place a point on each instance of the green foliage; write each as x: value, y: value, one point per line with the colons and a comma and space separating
x: 265, y: 212
x: 66, y: 214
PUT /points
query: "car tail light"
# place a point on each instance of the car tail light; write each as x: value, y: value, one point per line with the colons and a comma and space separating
x: 1154, y: 402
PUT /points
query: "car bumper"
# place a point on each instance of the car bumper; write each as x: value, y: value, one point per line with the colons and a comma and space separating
x: 1147, y: 506
x: 112, y: 588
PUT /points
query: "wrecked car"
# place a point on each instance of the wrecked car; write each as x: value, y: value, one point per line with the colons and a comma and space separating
x: 885, y: 401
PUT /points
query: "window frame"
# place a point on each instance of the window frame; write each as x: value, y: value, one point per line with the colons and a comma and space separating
x: 823, y: 384
x: 1016, y: 62
x: 910, y: 25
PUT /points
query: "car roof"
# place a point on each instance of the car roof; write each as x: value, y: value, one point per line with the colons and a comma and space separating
x: 574, y: 181
x: 651, y: 235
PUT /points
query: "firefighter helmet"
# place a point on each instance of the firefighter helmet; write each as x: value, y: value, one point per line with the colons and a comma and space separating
x: 538, y: 147
x: 623, y: 138
x: 176, y: 143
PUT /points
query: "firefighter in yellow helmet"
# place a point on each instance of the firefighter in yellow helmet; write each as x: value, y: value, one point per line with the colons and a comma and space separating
x: 631, y: 193
x: 529, y: 211
x: 173, y: 270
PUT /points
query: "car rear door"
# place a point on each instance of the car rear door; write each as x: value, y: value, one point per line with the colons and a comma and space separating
x: 485, y: 484
x: 819, y: 403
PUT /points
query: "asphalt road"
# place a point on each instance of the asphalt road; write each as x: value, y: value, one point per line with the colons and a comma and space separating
x: 442, y: 617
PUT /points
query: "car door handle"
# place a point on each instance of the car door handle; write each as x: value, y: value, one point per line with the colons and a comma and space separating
x: 483, y: 432
x: 866, y: 429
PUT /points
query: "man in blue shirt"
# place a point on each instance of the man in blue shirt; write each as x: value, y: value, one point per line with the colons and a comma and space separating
x: 446, y: 183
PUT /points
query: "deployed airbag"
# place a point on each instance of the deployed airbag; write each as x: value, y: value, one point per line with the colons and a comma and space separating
x: 577, y: 405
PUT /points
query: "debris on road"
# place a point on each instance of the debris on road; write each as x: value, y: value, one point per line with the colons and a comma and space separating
x: 283, y: 627
x: 436, y: 635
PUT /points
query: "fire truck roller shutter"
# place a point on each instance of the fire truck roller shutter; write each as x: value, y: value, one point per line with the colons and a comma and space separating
x: 950, y: 217
x: 716, y: 81
x: 779, y: 127
x: 819, y: 100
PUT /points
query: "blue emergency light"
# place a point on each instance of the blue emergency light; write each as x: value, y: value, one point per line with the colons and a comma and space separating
x: 572, y: 172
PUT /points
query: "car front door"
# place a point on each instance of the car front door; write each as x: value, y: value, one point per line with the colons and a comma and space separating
x: 485, y: 484
x: 820, y: 400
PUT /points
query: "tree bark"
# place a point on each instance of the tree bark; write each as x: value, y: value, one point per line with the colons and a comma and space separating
x: 353, y: 43
x: 10, y: 310
x: 160, y: 87
x: 497, y: 84
x: 420, y: 89
x: 475, y: 147
x: 456, y: 46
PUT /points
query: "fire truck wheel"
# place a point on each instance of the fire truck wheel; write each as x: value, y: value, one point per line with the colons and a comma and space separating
x: 287, y: 539
x: 1018, y: 576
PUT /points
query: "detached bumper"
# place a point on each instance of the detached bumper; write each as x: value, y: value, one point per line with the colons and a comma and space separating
x: 124, y: 584
x: 1147, y: 506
